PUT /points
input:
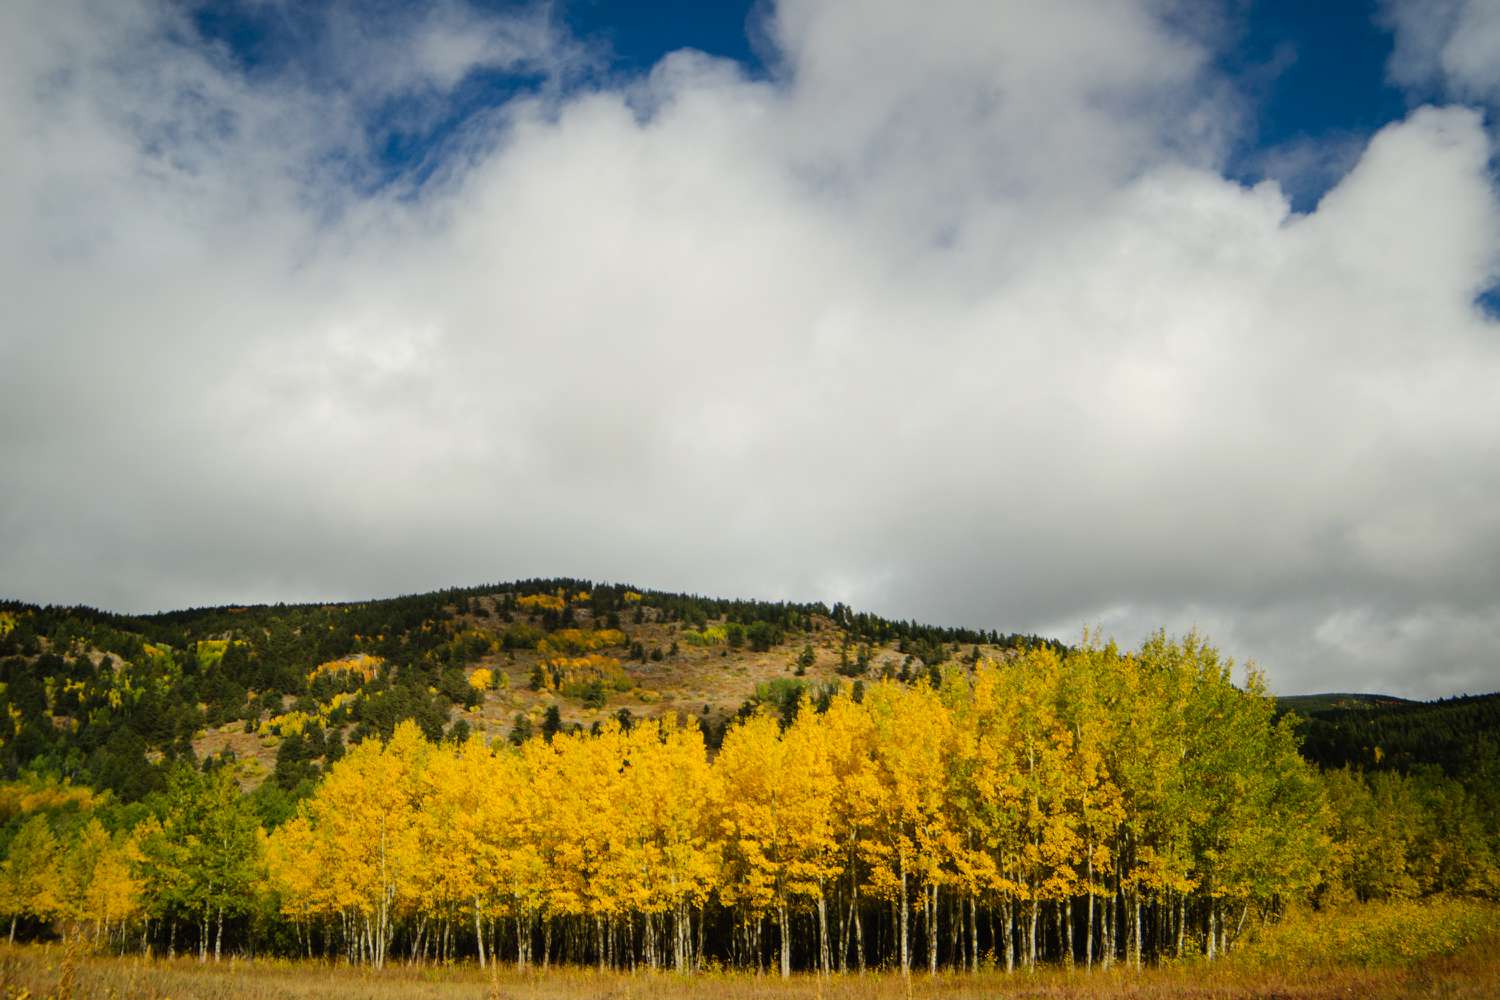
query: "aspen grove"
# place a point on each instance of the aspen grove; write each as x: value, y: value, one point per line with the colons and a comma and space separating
x: 1092, y: 808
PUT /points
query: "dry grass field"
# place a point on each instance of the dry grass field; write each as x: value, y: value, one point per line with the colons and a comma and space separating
x: 34, y: 972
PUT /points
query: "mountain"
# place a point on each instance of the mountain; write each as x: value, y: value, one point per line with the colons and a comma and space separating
x: 1307, y: 704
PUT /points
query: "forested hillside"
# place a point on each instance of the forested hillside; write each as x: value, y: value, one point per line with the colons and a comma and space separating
x: 113, y: 701
x: 1459, y: 735
x: 561, y: 771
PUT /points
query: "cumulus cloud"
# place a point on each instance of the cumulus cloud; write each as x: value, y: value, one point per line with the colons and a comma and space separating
x: 1446, y: 46
x: 953, y: 316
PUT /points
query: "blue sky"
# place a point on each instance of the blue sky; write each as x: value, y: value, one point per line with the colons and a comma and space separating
x: 1025, y: 315
x: 1309, y: 71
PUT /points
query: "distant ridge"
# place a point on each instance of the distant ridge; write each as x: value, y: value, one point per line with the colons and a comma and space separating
x: 1306, y: 704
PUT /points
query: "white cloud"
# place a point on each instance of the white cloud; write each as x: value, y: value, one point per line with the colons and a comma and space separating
x: 954, y: 317
x: 1446, y: 45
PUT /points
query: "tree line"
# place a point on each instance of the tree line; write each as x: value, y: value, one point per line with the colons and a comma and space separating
x: 1087, y: 807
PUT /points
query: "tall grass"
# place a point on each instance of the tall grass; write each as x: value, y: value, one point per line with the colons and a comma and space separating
x: 31, y: 973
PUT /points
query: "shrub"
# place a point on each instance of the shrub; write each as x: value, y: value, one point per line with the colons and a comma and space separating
x: 1391, y: 933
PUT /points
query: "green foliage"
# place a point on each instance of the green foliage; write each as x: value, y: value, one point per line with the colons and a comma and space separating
x: 210, y: 652
x: 593, y: 694
x: 203, y: 852
x: 763, y: 635
x: 1403, y: 836
x: 782, y: 695
x: 551, y: 723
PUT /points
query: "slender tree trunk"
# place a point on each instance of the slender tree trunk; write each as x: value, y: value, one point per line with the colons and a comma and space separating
x: 932, y: 928
x: 858, y: 933
x: 1088, y: 938
x: 1007, y: 923
x: 973, y: 933
x: 824, y: 957
x: 1181, y: 915
x: 698, y: 951
x: 1031, y: 908
x: 786, y: 938
x: 1136, y: 927
x: 219, y: 936
x: 479, y: 935
x: 903, y: 921
x: 1111, y: 930
x: 956, y: 930
x: 1068, y: 922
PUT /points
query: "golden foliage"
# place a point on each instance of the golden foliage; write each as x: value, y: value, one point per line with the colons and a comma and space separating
x: 542, y: 602
x: 32, y: 794
x: 362, y: 665
x: 575, y: 675
x: 295, y: 723
x: 575, y: 641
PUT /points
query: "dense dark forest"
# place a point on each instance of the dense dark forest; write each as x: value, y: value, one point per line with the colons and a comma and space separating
x: 1459, y: 735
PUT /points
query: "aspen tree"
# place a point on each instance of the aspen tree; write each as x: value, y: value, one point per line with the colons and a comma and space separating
x: 30, y: 877
x: 452, y: 873
x: 856, y: 803
x: 780, y: 846
x: 359, y: 830
x: 204, y: 855
x: 911, y: 740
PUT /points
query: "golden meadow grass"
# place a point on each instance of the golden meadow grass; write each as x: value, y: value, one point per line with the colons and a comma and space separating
x: 1439, y: 948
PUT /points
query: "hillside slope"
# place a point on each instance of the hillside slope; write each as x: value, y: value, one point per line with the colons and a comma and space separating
x: 107, y: 699
x: 1460, y: 735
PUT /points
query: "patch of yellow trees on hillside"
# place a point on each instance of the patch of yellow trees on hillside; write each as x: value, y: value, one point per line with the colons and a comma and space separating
x: 362, y: 665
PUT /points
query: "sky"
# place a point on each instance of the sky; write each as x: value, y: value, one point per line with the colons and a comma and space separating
x: 1029, y: 315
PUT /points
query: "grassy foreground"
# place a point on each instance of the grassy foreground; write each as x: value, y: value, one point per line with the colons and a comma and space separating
x: 1448, y: 948
x: 51, y: 971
